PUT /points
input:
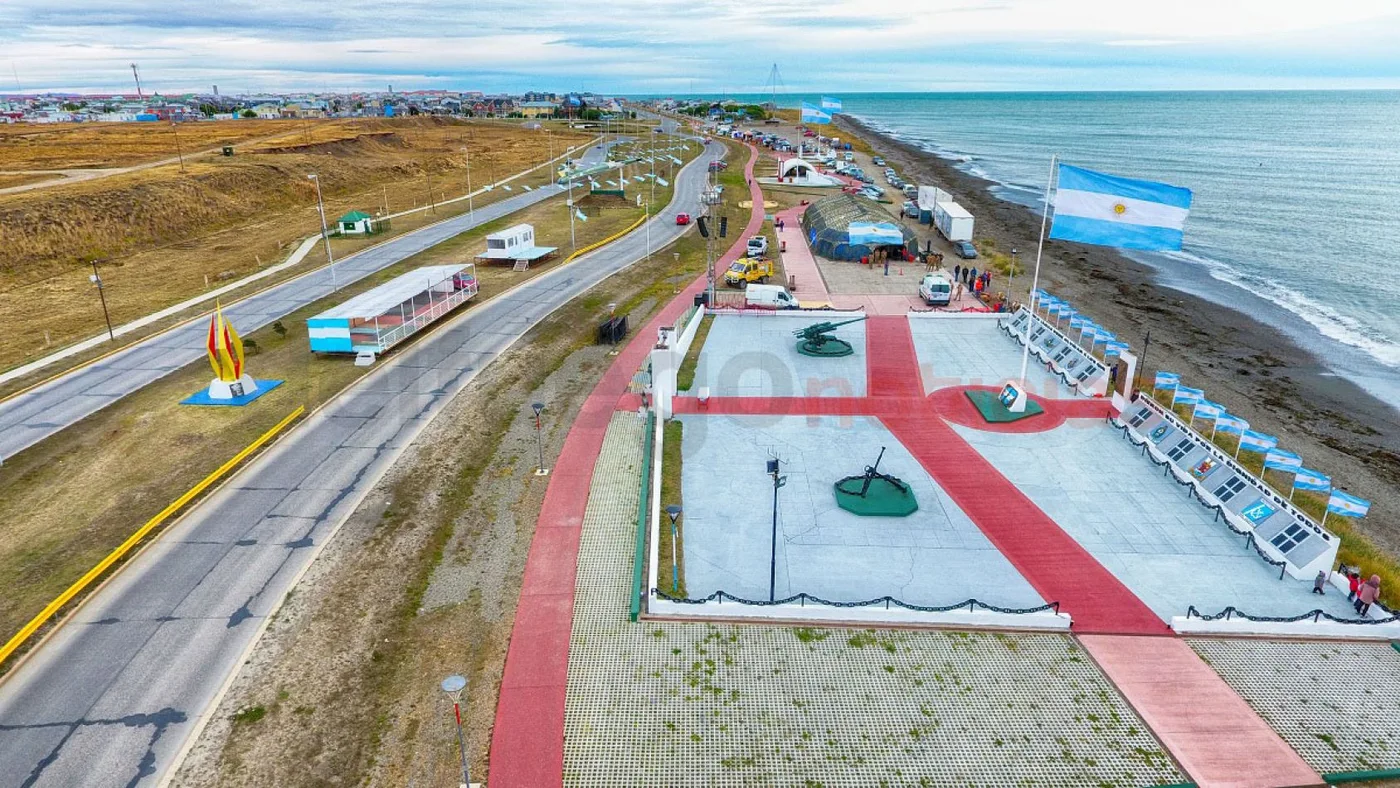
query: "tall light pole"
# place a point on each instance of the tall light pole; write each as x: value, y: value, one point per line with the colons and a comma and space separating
x: 540, y: 470
x: 1011, y: 281
x: 325, y: 234
x: 674, y: 512
x: 96, y: 279
x: 778, y: 482
x: 454, y: 686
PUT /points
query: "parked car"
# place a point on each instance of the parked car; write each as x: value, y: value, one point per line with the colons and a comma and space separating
x: 682, y: 218
x: 769, y: 297
x: 758, y: 246
x: 965, y: 250
x: 879, y: 161
x: 911, y: 209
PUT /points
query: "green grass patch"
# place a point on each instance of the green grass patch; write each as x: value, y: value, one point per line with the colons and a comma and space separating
x: 685, y: 377
x: 671, y: 434
x: 249, y: 714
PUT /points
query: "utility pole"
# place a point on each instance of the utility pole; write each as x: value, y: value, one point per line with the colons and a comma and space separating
x: 778, y: 482
x: 325, y: 234
x: 96, y: 279
x: 178, y: 152
x: 471, y: 210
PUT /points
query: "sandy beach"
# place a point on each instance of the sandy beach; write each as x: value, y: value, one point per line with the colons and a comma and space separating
x: 1251, y: 368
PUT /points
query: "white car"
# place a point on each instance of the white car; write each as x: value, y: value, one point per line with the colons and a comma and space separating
x: 758, y: 246
x: 936, y: 289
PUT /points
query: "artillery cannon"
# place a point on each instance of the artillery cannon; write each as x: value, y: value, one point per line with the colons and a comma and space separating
x: 875, y: 494
x: 817, y: 340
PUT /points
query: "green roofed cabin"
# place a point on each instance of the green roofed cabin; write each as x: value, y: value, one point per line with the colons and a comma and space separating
x: 356, y: 223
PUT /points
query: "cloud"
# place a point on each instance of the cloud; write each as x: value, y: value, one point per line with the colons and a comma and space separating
x: 717, y: 45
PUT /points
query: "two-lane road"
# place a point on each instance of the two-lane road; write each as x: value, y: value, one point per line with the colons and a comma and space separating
x: 43, y: 411
x: 116, y: 693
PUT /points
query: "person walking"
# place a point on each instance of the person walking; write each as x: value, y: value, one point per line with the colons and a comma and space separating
x: 1368, y: 594
x: 1354, y: 584
x: 957, y: 272
x: 1319, y: 583
x: 972, y: 276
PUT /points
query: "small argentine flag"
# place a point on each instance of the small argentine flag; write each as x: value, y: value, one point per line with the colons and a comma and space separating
x: 1077, y: 321
x: 1187, y: 396
x: 580, y: 215
x: 662, y: 181
x: 1347, y: 505
x: 1281, y: 460
x: 1106, y: 210
x: 1257, y: 441
x: 1166, y: 380
x: 1308, y: 479
x: 1205, y: 409
x: 1100, y: 335
x: 1115, y: 348
x: 1230, y: 424
x: 831, y: 104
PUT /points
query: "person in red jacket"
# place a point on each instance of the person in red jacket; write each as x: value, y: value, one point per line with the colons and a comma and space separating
x: 1354, y: 584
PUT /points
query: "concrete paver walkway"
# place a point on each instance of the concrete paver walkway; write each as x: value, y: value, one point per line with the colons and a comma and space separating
x: 1218, y: 740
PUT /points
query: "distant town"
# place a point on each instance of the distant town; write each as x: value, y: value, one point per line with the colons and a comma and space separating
x: 141, y: 107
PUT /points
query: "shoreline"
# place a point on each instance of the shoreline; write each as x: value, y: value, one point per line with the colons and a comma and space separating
x: 1255, y: 370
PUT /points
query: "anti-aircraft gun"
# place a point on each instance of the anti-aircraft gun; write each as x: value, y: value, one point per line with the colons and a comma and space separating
x: 817, y: 340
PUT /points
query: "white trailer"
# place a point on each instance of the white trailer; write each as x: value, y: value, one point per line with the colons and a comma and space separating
x: 953, y: 221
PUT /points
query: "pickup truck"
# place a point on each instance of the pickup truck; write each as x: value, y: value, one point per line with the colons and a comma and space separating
x: 746, y: 270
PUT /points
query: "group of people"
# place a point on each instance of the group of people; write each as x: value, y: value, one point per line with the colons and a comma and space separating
x: 975, y: 282
x: 1363, y: 595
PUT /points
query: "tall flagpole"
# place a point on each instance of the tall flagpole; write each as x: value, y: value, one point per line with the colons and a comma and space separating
x: 1035, y: 280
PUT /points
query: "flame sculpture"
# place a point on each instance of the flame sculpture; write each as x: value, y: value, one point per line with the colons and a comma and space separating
x: 225, y: 347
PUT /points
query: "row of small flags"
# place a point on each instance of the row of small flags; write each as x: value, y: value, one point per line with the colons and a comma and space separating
x: 1338, y: 502
x: 1098, y: 335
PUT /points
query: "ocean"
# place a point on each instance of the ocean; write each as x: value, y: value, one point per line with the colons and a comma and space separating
x: 1296, y: 211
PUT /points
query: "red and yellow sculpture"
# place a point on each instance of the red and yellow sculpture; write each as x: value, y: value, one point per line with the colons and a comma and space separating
x: 225, y: 349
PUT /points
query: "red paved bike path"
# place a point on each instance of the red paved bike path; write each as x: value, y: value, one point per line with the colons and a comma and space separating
x: 527, y: 742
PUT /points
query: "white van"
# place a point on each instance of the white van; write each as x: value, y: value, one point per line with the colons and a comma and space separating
x: 769, y: 297
x: 936, y: 289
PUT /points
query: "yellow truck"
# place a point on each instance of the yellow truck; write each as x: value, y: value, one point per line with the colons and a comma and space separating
x: 748, y: 269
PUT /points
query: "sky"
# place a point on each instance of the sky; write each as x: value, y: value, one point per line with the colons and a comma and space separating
x: 697, y: 46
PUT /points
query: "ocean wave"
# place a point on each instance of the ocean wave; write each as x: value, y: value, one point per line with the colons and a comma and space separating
x: 1332, y: 324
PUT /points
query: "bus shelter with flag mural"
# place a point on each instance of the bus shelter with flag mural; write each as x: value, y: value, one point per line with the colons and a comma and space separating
x: 232, y: 385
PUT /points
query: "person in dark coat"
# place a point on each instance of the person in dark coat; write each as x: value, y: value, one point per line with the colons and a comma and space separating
x: 957, y: 271
x: 1319, y: 583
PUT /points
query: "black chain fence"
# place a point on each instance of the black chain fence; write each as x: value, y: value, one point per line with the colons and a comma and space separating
x: 972, y: 605
x: 1192, y: 492
x: 1314, y: 615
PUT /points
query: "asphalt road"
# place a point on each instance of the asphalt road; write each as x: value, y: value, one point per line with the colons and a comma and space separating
x: 43, y: 411
x: 115, y: 694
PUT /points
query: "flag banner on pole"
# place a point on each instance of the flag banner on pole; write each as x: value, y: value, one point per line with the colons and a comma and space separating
x: 1114, y: 348
x: 506, y: 187
x: 526, y: 187
x: 674, y: 159
x: 1077, y: 321
x: 1230, y: 424
x: 1102, y: 335
x: 1053, y: 308
x: 831, y: 104
x: 1308, y: 479
x: 1205, y: 409
x: 1187, y: 396
x: 1067, y: 311
x: 1041, y: 295
x: 811, y: 114
x: 1166, y: 381
x: 1257, y: 441
x: 1281, y: 460
x: 1106, y: 210
x: 612, y: 182
x: 580, y: 215
x: 662, y: 181
x: 1347, y: 505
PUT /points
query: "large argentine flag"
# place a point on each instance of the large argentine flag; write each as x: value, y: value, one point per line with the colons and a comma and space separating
x: 1308, y: 479
x: 831, y: 104
x: 811, y: 114
x: 1094, y: 208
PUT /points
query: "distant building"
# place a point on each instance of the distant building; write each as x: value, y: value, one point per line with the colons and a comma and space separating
x: 537, y: 109
x: 355, y: 223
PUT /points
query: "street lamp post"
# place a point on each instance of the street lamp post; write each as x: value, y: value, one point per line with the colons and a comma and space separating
x: 674, y: 512
x: 97, y: 280
x: 454, y: 686
x: 540, y: 470
x: 1011, y: 281
x: 778, y: 481
x: 325, y: 234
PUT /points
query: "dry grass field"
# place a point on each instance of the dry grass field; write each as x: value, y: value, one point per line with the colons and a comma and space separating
x: 161, y: 236
x: 106, y: 145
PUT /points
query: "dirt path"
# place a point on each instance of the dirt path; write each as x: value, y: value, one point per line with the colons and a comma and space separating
x: 422, y: 582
